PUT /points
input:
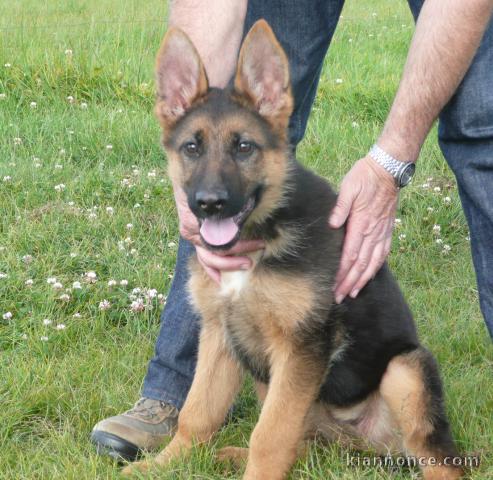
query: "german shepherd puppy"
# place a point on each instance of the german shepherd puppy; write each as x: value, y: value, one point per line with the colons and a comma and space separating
x: 353, y: 372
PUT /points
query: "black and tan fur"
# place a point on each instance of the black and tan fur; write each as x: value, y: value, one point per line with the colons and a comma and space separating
x: 353, y: 372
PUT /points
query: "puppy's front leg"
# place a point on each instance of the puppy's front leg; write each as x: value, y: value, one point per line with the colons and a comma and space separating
x: 217, y: 380
x: 275, y: 441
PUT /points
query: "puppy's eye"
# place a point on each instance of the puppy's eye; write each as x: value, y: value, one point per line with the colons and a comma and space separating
x: 191, y: 149
x: 245, y: 147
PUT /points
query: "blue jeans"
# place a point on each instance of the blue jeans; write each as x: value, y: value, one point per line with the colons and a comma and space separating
x: 305, y: 30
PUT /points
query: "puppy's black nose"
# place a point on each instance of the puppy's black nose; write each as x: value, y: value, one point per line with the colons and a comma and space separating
x: 211, y: 202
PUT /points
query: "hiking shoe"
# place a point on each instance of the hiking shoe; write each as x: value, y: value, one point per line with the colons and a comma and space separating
x: 142, y: 428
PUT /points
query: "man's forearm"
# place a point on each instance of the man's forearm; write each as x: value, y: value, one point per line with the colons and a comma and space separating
x: 215, y: 27
x: 448, y: 33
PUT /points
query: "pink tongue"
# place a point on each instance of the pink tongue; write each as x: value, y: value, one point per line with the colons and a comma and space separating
x: 218, y: 232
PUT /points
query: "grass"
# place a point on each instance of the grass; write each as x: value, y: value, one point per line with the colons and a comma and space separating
x: 88, y: 68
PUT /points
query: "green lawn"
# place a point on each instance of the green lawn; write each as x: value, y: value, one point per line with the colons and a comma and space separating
x: 83, y: 189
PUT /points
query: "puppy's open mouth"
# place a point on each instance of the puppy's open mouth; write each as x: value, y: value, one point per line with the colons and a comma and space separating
x: 225, y: 232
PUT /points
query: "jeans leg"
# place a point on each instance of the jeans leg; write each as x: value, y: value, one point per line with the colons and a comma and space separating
x: 304, y: 29
x: 170, y: 372
x: 465, y: 136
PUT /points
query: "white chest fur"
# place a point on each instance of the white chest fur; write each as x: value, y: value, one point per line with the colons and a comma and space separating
x: 232, y: 283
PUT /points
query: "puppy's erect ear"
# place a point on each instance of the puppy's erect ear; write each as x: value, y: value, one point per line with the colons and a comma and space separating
x: 180, y: 76
x: 263, y: 74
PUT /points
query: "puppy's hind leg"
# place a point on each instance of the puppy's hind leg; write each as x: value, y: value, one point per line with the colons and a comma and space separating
x: 412, y: 389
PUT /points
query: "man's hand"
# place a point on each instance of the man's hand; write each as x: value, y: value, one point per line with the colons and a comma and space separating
x: 213, y: 263
x: 368, y: 201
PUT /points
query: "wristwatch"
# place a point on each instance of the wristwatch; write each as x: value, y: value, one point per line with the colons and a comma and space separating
x: 401, y: 171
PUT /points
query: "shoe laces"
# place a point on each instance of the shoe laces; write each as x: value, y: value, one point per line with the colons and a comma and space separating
x: 148, y: 408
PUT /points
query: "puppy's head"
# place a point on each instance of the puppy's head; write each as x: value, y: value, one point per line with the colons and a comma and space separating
x: 227, y: 149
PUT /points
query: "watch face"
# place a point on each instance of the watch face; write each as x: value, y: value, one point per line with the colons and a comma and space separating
x: 407, y: 174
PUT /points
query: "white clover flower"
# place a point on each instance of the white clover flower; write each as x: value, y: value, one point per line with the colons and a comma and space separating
x: 61, y: 326
x: 7, y: 65
x: 65, y: 297
x: 7, y: 316
x: 436, y: 229
x: 151, y: 174
x: 51, y: 280
x: 70, y: 99
x: 151, y: 293
x: 44, y: 338
x: 147, y: 196
x: 73, y: 254
x: 129, y: 226
x: 7, y: 178
x: 355, y: 125
x: 447, y: 200
x: 47, y: 322
x: 446, y: 249
x: 126, y: 182
x: 83, y: 105
x: 128, y: 240
x: 137, y: 305
x: 110, y: 210
x: 24, y: 336
x: 430, y: 209
x: 137, y: 205
x: 68, y: 52
x: 136, y: 171
x: 109, y: 147
x: 402, y: 237
x: 77, y: 315
x: 29, y: 282
x: 3, y: 96
x: 104, y: 305
x: 27, y: 258
x: 124, y: 283
x: 112, y: 283
x: 3, y: 275
x: 57, y: 286
x: 76, y: 285
x: 338, y: 81
x: 350, y: 40
x: 397, y: 222
x: 437, y: 189
x: 438, y: 241
x: 134, y: 251
x: 33, y: 105
x: 60, y: 187
x: 425, y: 185
x: 91, y: 277
x: 136, y: 291
x: 58, y: 166
x: 92, y: 216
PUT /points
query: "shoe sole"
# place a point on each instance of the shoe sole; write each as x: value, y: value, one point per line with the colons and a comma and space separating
x: 116, y: 447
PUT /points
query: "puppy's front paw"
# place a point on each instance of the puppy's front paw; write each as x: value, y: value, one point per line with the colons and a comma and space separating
x: 137, y: 467
x: 237, y: 455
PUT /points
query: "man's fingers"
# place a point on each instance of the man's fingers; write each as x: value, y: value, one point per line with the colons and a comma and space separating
x: 375, y: 264
x: 351, y: 249
x: 343, y: 206
x: 223, y: 263
x: 358, y: 267
x: 214, y: 274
